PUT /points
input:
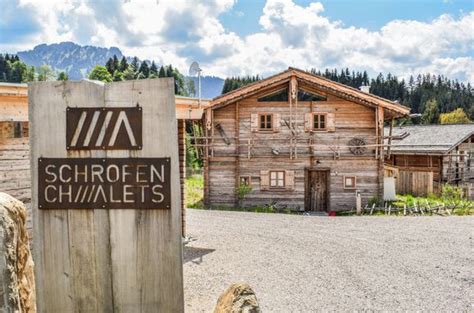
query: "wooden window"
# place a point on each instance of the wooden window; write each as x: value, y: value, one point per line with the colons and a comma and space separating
x: 309, y: 96
x: 245, y: 180
x: 349, y: 182
x: 277, y: 179
x: 279, y: 96
x: 319, y: 121
x: 17, y: 130
x: 265, y: 122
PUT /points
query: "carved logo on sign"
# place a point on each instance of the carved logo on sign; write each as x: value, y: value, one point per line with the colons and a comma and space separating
x: 97, y: 183
x: 104, y: 129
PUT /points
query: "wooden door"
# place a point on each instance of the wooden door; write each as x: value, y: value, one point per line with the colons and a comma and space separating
x: 318, y: 190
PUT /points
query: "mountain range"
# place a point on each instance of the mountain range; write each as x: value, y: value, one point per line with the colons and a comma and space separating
x: 77, y: 61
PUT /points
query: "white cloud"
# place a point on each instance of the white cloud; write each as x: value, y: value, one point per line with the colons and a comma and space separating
x: 303, y: 37
x: 178, y: 31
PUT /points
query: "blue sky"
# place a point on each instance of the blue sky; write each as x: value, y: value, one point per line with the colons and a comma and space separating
x: 230, y: 37
x: 370, y: 14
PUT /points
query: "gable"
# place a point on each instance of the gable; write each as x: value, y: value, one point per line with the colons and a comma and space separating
x: 312, y: 83
x: 282, y: 96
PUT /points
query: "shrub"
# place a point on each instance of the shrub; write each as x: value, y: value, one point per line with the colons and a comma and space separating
x: 452, y: 193
x: 242, y: 191
x: 374, y: 200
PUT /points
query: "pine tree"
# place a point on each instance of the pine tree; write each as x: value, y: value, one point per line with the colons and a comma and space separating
x: 162, y: 72
x: 116, y: 63
x: 153, y: 69
x: 135, y: 63
x: 144, y: 70
x: 123, y: 64
x: 63, y: 76
x: 110, y: 66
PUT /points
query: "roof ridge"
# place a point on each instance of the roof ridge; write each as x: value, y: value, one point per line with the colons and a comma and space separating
x: 346, y: 86
x: 253, y: 83
x: 324, y: 83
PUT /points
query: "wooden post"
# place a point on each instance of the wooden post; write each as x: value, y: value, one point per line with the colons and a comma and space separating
x: 390, y: 138
x: 358, y: 203
x: 376, y: 132
x: 98, y: 259
x: 182, y: 171
x: 237, y: 147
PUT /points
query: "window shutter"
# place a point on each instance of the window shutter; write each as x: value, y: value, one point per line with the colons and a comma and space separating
x: 308, y: 120
x: 254, y: 122
x: 331, y: 122
x: 264, y: 180
x: 289, y: 180
x: 276, y: 122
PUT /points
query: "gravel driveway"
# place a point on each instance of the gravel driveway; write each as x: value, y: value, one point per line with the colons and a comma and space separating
x: 310, y: 263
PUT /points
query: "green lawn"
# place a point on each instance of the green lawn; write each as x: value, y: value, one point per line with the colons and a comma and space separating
x: 194, y: 191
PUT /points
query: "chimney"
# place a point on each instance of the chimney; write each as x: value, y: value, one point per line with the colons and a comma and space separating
x: 365, y: 88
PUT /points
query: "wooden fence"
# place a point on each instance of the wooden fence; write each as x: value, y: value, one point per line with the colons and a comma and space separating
x: 416, y: 183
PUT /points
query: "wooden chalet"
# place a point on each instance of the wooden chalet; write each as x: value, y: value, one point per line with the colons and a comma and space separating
x: 299, y: 140
x: 15, y: 176
x: 424, y: 157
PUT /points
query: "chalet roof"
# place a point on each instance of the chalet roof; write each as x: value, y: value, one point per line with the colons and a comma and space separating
x: 429, y: 139
x: 319, y: 82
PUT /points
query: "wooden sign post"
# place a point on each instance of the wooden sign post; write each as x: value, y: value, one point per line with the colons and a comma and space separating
x: 106, y: 196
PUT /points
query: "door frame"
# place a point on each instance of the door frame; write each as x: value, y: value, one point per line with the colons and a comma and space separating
x: 307, y: 195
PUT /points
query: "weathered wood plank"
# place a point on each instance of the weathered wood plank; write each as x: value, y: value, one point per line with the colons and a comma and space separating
x: 107, y: 261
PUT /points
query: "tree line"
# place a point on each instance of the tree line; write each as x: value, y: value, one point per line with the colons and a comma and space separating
x: 118, y: 70
x: 13, y: 70
x: 233, y: 83
x: 436, y: 98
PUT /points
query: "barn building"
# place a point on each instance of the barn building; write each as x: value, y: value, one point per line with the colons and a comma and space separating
x: 299, y: 140
x: 424, y: 157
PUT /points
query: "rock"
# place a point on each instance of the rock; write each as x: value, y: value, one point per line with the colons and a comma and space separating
x: 238, y: 298
x: 17, y: 282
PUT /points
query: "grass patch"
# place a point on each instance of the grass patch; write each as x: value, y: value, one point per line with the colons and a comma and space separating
x: 461, y: 206
x: 194, y: 191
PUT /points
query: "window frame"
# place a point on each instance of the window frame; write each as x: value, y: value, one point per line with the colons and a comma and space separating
x: 317, y: 115
x: 353, y: 178
x: 247, y: 178
x: 260, y: 115
x: 17, y: 129
x: 276, y: 179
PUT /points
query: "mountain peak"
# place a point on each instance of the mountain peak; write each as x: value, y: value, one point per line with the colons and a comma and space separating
x: 76, y: 60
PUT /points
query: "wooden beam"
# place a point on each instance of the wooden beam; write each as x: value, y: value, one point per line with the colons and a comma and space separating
x: 237, y: 142
x: 390, y: 137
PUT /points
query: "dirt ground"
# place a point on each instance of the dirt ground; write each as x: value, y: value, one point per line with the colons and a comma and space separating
x: 310, y: 264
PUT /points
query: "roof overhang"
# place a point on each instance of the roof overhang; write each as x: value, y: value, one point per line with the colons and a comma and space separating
x: 393, y: 109
x: 13, y: 102
x: 190, y: 108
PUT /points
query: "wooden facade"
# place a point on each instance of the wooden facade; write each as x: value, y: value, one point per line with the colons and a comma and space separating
x: 297, y: 151
x: 438, y: 155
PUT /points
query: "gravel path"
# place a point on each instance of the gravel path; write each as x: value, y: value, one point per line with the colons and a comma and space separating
x: 311, y: 264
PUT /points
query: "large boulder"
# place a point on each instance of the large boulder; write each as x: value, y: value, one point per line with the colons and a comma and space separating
x: 238, y: 298
x: 17, y: 282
